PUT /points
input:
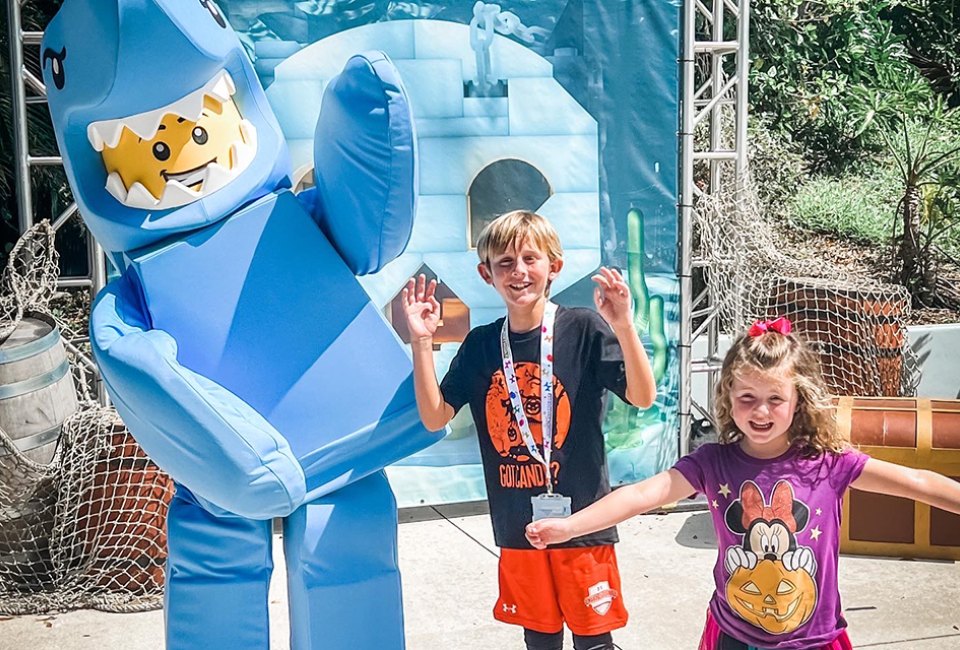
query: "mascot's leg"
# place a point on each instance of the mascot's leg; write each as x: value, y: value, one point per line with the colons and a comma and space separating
x: 342, y: 574
x: 218, y: 574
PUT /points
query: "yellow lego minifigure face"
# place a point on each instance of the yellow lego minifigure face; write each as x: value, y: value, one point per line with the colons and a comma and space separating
x: 177, y: 154
x: 181, y: 149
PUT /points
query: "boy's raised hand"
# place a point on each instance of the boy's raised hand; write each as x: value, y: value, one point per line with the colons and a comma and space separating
x: 542, y: 532
x: 612, y: 297
x: 422, y: 307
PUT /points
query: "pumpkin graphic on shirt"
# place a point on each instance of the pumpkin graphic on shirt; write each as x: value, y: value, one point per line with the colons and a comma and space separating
x: 771, y: 584
x: 503, y: 427
x: 771, y: 597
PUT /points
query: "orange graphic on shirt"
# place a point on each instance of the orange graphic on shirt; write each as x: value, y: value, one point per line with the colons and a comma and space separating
x: 502, y: 426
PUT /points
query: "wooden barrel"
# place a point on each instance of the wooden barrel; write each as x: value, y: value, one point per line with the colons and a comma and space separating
x: 858, y: 332
x: 36, y: 388
x: 36, y: 396
x: 919, y: 433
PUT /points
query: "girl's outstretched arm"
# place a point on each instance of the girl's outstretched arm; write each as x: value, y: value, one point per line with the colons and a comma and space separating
x: 619, y: 505
x: 917, y: 484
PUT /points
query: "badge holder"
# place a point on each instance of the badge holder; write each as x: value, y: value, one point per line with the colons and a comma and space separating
x: 549, y: 505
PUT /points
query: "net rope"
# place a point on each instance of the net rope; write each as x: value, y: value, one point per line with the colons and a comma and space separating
x: 88, y: 528
x: 856, y: 323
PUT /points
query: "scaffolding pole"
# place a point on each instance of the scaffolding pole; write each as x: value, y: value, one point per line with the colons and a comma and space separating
x: 19, y: 97
x: 716, y: 99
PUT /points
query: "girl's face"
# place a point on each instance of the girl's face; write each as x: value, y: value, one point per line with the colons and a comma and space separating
x: 762, y: 408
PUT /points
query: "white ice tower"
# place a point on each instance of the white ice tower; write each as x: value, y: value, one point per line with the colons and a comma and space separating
x: 528, y: 122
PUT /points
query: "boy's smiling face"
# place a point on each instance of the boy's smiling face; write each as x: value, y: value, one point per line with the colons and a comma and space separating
x: 520, y: 275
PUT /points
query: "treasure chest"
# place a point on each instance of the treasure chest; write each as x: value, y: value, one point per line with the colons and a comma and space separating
x: 919, y: 433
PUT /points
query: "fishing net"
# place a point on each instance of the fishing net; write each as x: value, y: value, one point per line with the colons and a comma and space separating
x: 857, y: 324
x: 82, y: 509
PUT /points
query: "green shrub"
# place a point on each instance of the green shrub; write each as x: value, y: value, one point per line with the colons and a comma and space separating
x: 868, y: 206
x: 861, y: 207
x: 777, y: 165
x: 931, y: 29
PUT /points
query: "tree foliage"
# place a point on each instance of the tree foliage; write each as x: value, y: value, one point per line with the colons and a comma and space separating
x: 810, y: 59
x: 861, y: 83
x: 931, y: 31
x: 926, y: 152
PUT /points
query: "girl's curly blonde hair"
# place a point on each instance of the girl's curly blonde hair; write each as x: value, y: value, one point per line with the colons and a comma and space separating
x: 814, y: 427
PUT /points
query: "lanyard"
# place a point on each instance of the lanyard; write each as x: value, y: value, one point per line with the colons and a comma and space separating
x: 546, y: 389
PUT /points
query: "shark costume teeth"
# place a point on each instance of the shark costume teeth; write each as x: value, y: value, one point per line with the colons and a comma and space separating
x: 107, y: 132
x: 178, y: 190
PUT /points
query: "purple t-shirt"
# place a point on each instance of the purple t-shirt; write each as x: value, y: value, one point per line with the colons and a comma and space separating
x: 778, y: 533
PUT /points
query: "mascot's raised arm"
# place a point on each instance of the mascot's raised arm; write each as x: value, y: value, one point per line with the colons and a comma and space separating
x: 237, y: 344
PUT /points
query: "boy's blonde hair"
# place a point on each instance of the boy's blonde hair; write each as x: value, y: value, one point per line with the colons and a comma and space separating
x: 510, y: 230
x: 814, y: 427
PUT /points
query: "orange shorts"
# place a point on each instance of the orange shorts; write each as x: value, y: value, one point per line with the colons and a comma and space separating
x: 541, y: 590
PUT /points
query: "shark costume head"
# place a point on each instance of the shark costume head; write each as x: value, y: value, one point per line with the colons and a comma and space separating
x: 161, y: 120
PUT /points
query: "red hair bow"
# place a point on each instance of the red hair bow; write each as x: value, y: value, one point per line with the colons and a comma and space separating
x: 781, y: 325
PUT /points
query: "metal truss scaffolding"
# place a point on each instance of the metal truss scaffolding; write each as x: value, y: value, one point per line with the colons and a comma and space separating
x: 713, y: 150
x: 28, y: 89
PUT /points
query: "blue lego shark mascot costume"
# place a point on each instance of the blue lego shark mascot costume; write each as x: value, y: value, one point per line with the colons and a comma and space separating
x: 237, y: 344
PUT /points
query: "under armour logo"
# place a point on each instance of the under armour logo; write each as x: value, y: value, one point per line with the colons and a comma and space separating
x: 510, y: 608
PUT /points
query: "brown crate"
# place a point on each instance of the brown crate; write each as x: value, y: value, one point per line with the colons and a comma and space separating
x: 857, y: 333
x: 895, y: 526
x: 123, y: 518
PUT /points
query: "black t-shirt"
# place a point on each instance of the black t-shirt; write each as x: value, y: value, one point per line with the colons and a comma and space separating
x: 587, y: 360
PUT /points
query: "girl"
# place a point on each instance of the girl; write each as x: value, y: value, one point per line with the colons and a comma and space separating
x: 774, y: 485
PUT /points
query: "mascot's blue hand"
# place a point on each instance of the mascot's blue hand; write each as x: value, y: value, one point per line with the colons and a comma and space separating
x: 201, y: 434
x: 365, y: 163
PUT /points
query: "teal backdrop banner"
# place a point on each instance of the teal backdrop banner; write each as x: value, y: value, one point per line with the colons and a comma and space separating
x: 566, y: 107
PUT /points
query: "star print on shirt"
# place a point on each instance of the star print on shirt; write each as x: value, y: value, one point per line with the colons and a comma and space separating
x: 725, y: 490
x: 715, y: 504
x: 815, y: 533
x: 819, y: 511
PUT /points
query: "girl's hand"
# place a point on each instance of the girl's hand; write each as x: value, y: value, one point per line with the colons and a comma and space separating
x: 542, y: 532
x: 422, y: 308
x: 612, y: 297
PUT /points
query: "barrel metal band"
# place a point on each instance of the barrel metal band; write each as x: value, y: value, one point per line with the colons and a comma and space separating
x: 35, y: 383
x: 31, y: 348
x: 33, y: 441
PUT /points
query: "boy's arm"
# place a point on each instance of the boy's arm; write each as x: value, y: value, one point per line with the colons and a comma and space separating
x: 423, y: 317
x: 641, y: 385
x: 917, y: 484
x: 621, y: 504
x: 612, y: 297
x: 434, y: 411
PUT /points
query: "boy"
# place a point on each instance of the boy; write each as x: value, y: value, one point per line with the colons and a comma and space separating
x: 542, y: 450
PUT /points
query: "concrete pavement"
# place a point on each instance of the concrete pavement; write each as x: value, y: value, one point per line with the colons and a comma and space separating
x: 449, y: 566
